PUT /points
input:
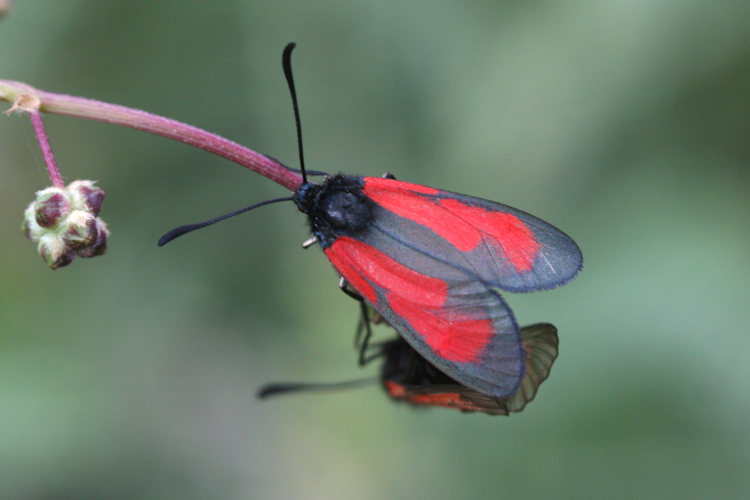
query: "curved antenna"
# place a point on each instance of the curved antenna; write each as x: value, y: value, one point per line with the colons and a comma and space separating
x: 278, y: 388
x: 286, y: 63
x: 179, y: 231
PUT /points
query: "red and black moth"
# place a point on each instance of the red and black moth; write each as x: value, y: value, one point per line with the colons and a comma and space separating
x: 429, y: 262
x: 409, y: 378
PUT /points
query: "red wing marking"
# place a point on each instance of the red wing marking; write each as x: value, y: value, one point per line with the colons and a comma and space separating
x: 362, y: 264
x: 450, y: 335
x: 392, y: 184
x: 444, y: 399
x: 395, y: 390
x: 516, y: 239
x: 402, y: 201
x: 343, y: 265
x: 417, y: 298
x: 464, y: 226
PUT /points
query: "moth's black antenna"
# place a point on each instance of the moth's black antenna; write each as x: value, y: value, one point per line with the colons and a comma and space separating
x: 278, y: 388
x: 179, y: 231
x: 286, y: 62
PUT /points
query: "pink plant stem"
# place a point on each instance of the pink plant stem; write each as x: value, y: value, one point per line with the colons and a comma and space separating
x: 49, y: 156
x: 80, y: 107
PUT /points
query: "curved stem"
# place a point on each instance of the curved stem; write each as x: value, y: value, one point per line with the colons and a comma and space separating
x: 49, y: 157
x: 80, y: 107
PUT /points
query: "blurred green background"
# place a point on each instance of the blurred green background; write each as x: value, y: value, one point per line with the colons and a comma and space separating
x: 624, y: 123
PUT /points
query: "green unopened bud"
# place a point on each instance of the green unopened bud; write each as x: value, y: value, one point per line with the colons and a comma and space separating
x: 64, y: 223
x: 51, y: 205
x: 54, y: 251
x: 86, y: 195
x: 99, y: 246
x: 30, y: 228
x: 78, y: 229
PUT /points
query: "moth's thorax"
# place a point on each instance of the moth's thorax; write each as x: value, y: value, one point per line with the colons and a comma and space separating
x: 335, y: 207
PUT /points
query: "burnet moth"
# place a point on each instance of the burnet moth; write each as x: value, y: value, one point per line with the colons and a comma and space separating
x: 429, y: 261
x: 408, y: 377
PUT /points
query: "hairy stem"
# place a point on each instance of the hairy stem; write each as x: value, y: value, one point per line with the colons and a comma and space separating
x: 49, y: 157
x: 80, y: 107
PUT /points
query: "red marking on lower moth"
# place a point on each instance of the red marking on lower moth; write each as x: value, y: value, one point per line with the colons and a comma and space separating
x: 395, y: 390
x: 444, y: 399
x: 452, y: 336
x: 515, y: 238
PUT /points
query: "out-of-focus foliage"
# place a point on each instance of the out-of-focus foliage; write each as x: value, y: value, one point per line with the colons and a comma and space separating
x: 624, y: 123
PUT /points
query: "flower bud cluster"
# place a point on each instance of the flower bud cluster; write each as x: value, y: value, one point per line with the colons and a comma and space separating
x: 64, y: 223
